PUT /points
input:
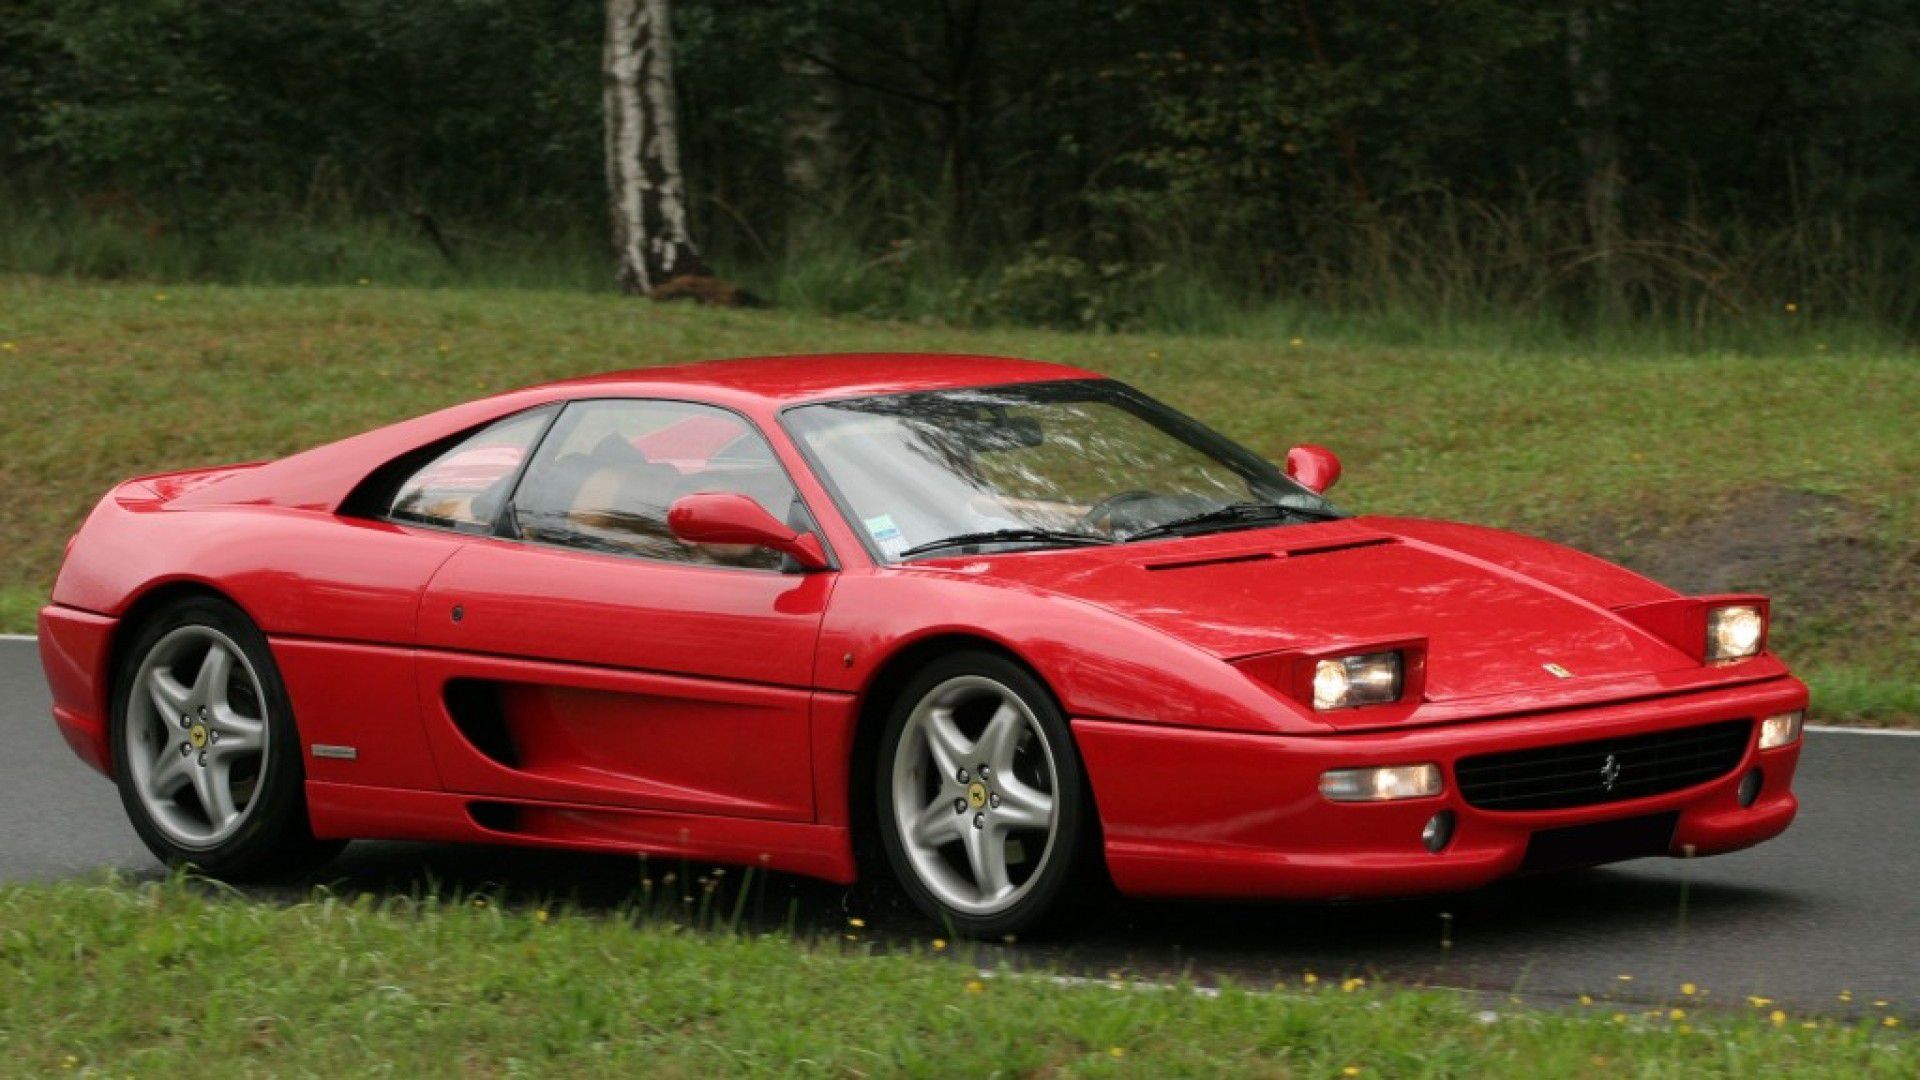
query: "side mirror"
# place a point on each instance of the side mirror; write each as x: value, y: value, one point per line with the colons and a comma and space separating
x: 1314, y: 466
x: 716, y: 517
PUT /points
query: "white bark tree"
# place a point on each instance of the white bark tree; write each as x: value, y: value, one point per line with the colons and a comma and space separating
x: 645, y: 188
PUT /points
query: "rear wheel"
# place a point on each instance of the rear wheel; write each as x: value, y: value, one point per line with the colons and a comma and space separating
x: 981, y: 796
x: 204, y: 747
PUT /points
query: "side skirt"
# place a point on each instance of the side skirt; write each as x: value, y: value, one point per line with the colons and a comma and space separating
x: 359, y: 812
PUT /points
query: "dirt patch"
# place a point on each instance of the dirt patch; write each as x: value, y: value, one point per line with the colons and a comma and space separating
x: 1815, y: 555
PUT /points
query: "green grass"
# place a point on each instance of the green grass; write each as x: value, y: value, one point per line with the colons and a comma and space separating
x: 275, y: 246
x: 1616, y: 449
x: 170, y: 978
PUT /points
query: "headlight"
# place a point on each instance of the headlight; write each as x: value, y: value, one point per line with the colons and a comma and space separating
x: 1348, y: 682
x: 1781, y: 730
x: 1380, y: 785
x: 1734, y: 632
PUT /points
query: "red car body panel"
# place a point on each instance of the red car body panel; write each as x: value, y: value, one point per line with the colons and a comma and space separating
x: 715, y: 713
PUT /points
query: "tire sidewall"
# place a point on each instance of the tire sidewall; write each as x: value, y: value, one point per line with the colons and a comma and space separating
x: 276, y: 820
x: 1065, y: 858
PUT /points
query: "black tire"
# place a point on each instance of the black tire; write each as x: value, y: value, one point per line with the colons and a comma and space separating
x: 273, y: 841
x: 1068, y: 869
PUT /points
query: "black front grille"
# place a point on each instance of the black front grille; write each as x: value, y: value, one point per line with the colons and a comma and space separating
x: 1605, y: 770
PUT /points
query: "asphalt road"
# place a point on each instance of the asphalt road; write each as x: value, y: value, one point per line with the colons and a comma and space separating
x: 1830, y: 909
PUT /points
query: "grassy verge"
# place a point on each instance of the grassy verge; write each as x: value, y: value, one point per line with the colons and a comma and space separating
x: 166, y: 978
x: 1787, y: 472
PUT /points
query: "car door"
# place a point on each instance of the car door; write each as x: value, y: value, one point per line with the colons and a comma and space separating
x: 586, y: 656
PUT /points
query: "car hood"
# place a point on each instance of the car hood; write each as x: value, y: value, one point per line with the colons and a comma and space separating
x: 1496, y: 609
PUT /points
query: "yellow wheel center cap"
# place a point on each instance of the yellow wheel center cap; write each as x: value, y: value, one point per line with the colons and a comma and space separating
x: 977, y: 795
x: 197, y: 735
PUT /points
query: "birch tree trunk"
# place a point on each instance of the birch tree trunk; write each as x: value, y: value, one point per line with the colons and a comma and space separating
x: 645, y: 188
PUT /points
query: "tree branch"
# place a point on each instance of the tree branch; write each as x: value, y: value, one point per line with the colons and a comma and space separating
x: 877, y: 87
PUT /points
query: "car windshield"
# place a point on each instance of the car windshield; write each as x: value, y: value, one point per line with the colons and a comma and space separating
x: 1036, y: 464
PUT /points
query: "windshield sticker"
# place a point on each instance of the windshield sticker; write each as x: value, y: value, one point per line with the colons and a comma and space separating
x: 882, y: 528
x: 886, y: 534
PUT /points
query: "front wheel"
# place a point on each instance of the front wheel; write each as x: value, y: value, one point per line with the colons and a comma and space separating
x: 204, y: 747
x: 981, y: 795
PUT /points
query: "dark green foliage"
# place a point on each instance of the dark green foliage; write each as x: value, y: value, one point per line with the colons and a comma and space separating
x: 1065, y: 162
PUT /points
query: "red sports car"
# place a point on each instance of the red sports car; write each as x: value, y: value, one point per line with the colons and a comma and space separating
x: 994, y: 623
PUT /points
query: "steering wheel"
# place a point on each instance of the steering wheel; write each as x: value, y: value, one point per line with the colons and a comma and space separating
x: 1099, y: 517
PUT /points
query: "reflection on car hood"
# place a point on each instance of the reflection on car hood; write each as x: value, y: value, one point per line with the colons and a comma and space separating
x: 1496, y: 608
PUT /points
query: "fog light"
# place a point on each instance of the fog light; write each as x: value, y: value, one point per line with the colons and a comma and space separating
x: 1781, y: 730
x: 1381, y: 785
x: 1734, y: 632
x: 1749, y: 788
x: 1438, y: 831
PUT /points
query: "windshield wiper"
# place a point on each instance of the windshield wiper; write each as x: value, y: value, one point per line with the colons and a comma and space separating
x: 1230, y: 514
x: 1006, y: 536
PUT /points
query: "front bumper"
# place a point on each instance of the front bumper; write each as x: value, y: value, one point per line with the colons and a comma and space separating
x: 1192, y: 813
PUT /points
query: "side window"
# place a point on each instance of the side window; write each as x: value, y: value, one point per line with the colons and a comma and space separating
x: 463, y: 486
x: 604, y: 478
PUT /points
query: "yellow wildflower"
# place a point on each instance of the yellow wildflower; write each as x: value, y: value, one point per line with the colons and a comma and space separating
x: 939, y: 944
x: 1777, y: 1018
x: 975, y: 986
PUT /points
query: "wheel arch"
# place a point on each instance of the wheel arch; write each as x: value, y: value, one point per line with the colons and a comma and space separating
x: 878, y: 695
x: 143, y: 607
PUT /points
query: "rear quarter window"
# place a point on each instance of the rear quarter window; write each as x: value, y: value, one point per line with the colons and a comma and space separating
x: 461, y: 486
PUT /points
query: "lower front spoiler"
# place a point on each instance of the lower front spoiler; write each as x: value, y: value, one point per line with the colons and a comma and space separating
x: 1190, y: 813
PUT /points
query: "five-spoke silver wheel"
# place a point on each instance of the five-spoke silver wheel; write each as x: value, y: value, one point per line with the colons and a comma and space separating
x: 974, y: 782
x: 196, y: 736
